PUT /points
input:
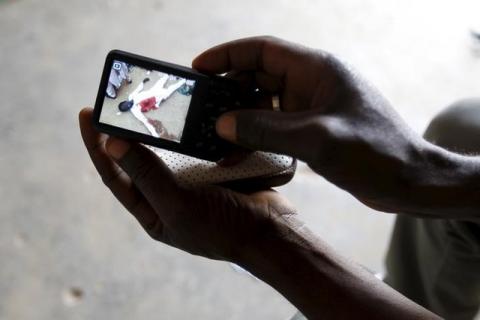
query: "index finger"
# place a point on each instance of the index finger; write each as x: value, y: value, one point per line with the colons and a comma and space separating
x: 268, y: 54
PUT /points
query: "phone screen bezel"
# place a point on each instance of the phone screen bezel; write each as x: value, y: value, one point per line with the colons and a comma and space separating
x: 194, y: 114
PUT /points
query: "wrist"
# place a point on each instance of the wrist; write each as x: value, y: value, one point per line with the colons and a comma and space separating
x: 283, y: 233
x: 293, y: 265
x: 444, y: 184
x: 322, y: 284
x: 275, y: 250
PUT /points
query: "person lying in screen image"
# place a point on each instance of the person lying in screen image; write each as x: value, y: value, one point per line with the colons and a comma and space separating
x: 348, y: 133
x: 141, y: 101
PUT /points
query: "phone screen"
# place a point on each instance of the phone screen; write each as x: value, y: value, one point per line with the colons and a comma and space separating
x: 150, y: 102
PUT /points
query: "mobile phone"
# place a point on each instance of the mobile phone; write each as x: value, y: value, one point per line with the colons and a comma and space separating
x: 165, y: 105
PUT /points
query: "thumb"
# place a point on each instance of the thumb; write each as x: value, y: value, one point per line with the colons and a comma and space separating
x: 286, y: 133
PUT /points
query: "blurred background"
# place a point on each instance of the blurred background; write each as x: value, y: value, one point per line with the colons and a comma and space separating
x: 68, y: 250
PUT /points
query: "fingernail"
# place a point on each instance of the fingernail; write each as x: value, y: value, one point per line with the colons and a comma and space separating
x: 227, y: 127
x: 117, y: 148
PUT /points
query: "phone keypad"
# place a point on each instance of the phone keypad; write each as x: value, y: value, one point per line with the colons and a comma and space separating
x: 222, y: 97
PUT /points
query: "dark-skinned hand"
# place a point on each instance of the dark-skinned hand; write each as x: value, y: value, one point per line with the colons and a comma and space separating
x: 209, y: 221
x: 332, y: 119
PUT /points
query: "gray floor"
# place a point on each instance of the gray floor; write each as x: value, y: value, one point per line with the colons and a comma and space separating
x: 69, y: 251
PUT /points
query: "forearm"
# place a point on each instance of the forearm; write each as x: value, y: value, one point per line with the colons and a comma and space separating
x: 445, y: 185
x: 324, y: 285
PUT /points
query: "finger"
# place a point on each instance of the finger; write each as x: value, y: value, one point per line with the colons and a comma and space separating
x: 262, y: 100
x: 149, y: 174
x: 95, y: 143
x: 293, y: 134
x: 250, y: 80
x: 114, y: 177
x: 244, y: 78
x: 268, y: 54
x: 268, y: 83
x: 295, y: 71
x: 260, y: 94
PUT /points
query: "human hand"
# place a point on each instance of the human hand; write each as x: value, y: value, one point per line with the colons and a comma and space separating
x: 333, y: 120
x: 209, y: 221
x: 257, y: 231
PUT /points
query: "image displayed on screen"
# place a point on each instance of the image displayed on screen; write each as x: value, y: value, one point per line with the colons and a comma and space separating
x: 146, y: 101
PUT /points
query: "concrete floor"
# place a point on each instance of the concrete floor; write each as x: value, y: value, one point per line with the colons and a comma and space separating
x: 68, y: 250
